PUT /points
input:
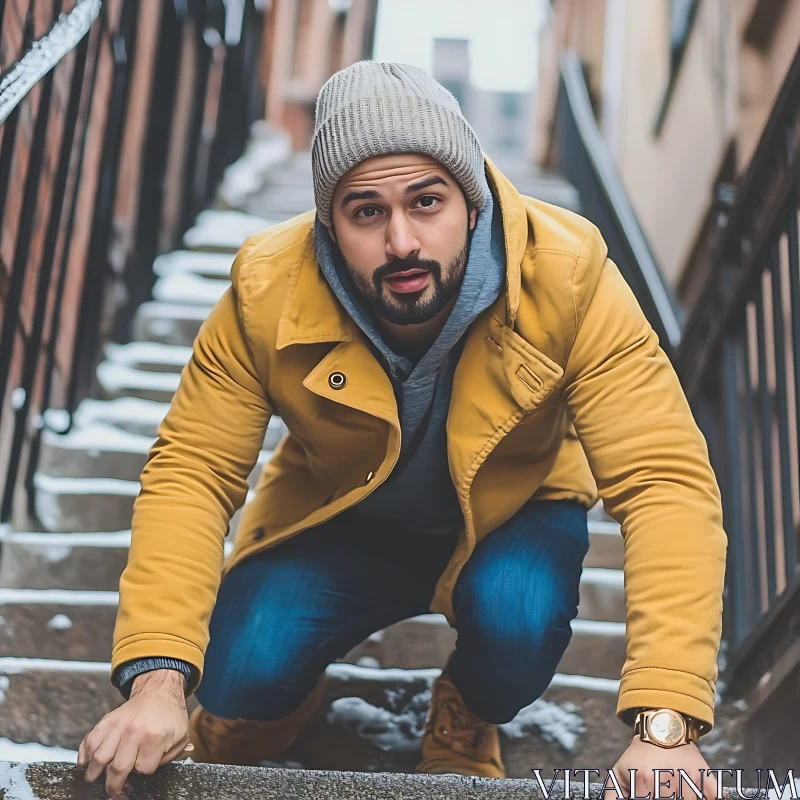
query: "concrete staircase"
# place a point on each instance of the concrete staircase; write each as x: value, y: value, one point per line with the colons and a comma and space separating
x: 60, y: 577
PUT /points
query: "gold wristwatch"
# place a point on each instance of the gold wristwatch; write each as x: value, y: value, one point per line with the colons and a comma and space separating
x: 665, y: 727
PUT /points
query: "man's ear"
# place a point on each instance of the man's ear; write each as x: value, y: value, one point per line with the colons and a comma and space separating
x: 473, y: 218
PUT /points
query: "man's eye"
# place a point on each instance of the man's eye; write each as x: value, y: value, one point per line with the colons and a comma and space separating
x: 428, y: 201
x: 367, y: 212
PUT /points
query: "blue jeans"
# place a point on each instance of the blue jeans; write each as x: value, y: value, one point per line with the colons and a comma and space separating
x: 284, y: 615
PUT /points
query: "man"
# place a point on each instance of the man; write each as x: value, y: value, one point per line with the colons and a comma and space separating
x: 461, y: 370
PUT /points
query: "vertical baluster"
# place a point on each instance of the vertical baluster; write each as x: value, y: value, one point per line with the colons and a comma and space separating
x: 754, y: 587
x: 732, y: 494
x: 765, y: 411
x: 791, y: 546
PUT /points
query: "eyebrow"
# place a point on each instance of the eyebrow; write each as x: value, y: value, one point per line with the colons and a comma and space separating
x: 371, y: 194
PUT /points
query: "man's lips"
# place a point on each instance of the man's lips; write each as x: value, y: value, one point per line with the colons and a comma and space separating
x: 411, y: 280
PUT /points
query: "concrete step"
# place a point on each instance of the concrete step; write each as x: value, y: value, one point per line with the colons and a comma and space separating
x: 118, y: 380
x: 371, y: 719
x: 188, y: 288
x: 95, y: 560
x: 138, y: 416
x: 103, y: 451
x: 281, y: 200
x: 222, y: 230
x: 90, y: 504
x: 170, y: 323
x: 205, y: 781
x: 84, y: 561
x: 149, y: 356
x: 84, y: 624
x: 213, y: 266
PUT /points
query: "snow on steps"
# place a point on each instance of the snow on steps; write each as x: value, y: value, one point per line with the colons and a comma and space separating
x: 223, y: 231
x: 87, y: 561
x: 88, y: 504
x: 149, y: 356
x: 170, y: 323
x: 135, y: 415
x: 213, y: 266
x: 188, y: 288
x: 95, y: 560
x: 596, y: 647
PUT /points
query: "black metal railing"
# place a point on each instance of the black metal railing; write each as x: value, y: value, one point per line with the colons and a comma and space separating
x: 218, y: 44
x: 740, y: 365
x: 584, y: 160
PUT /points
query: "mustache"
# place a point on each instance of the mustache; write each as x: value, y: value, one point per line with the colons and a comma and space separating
x: 404, y: 264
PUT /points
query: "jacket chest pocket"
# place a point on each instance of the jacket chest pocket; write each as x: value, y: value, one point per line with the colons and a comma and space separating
x: 534, y: 378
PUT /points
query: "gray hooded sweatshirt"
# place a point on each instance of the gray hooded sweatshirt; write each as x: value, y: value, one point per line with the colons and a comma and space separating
x: 420, y: 492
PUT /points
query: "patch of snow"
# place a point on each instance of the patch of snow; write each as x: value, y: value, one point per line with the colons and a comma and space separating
x: 154, y: 309
x: 60, y: 622
x: 207, y: 265
x: 55, y: 554
x: 100, y: 437
x: 351, y: 672
x: 387, y: 730
x: 122, y: 409
x: 605, y: 577
x: 603, y: 528
x: 4, y: 684
x: 57, y: 541
x: 33, y: 752
x: 253, y: 170
x: 58, y: 597
x: 368, y: 661
x: 740, y: 705
x: 2, y: 620
x: 60, y: 485
x: 184, y: 287
x: 220, y: 229
x: 375, y: 637
x: 19, y: 666
x: 18, y: 397
x: 150, y: 352
x: 56, y: 419
x: 554, y: 722
x: 561, y: 679
x: 116, y: 377
x: 594, y: 627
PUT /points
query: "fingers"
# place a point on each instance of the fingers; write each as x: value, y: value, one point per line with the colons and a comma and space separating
x: 710, y: 786
x: 101, y: 749
x: 122, y: 765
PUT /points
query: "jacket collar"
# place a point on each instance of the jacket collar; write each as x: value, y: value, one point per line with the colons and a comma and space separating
x: 311, y: 312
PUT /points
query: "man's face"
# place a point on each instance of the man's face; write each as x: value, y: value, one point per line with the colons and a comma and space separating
x: 401, y: 223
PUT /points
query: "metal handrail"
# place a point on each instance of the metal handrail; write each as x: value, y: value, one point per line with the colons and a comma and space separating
x: 637, y: 262
x: 45, y: 53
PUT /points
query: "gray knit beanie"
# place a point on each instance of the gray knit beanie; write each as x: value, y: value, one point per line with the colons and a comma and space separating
x: 376, y: 108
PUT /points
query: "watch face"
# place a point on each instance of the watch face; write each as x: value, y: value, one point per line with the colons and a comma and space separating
x: 666, y: 727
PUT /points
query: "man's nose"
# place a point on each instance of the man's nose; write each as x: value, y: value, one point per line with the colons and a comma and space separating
x: 401, y: 237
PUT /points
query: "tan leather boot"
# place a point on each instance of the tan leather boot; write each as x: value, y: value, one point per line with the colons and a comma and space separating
x: 456, y: 741
x: 246, y: 742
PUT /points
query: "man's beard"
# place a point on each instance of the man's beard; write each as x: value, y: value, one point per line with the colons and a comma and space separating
x: 411, y: 309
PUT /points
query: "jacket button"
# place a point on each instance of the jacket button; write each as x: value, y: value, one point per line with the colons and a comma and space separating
x: 259, y: 534
x: 337, y: 380
x: 370, y: 476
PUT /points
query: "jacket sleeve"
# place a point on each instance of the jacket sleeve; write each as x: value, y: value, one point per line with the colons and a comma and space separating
x: 194, y: 480
x: 653, y: 474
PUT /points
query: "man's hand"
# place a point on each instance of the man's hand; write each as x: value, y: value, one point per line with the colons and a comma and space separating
x: 645, y: 757
x: 149, y: 730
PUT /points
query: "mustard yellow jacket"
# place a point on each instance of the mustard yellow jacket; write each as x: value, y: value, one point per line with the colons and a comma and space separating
x: 562, y: 391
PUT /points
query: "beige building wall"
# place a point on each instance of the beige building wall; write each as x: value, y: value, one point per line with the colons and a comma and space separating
x: 737, y: 55
x: 669, y: 174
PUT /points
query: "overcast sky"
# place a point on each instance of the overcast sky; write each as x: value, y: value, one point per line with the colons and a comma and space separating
x: 503, y: 36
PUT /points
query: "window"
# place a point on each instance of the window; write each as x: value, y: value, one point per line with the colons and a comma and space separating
x: 681, y: 17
